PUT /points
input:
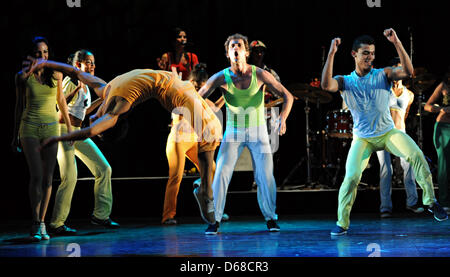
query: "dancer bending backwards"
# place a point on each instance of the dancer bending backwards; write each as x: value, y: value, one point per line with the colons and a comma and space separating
x: 136, y: 86
x: 366, y: 93
x: 182, y: 144
x: 246, y: 127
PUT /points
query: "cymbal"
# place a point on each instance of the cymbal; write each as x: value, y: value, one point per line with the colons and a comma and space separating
x: 310, y: 93
x: 422, y: 79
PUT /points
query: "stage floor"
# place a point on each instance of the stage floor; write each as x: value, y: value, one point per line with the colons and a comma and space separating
x: 404, y: 235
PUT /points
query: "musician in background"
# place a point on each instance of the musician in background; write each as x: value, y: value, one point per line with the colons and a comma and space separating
x: 400, y: 101
x: 257, y: 53
x: 178, y: 60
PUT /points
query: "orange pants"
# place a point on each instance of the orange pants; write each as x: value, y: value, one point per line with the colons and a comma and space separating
x: 177, y: 149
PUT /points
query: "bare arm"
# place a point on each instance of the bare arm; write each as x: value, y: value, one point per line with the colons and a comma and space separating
x: 97, y: 102
x: 70, y: 95
x: 103, y: 123
x: 213, y: 83
x: 19, y: 107
x: 407, y: 69
x: 116, y: 107
x: 278, y: 88
x: 431, y: 106
x: 92, y: 81
x: 327, y: 82
x: 61, y: 100
x: 163, y: 62
x: 410, y: 103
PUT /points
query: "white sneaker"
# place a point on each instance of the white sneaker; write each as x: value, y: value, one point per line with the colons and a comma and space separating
x: 43, y: 231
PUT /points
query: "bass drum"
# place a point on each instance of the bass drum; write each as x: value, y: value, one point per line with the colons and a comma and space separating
x: 339, y: 124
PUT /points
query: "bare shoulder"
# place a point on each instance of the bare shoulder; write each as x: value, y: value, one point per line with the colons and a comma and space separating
x: 264, y: 75
x: 218, y: 78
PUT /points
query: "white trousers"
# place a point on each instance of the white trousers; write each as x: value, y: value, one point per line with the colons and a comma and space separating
x: 256, y: 139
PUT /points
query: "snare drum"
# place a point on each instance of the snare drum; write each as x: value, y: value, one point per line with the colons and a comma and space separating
x: 339, y: 124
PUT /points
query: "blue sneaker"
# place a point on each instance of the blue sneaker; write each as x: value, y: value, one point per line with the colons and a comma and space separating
x: 212, y: 229
x: 439, y: 213
x: 273, y: 226
x: 338, y: 231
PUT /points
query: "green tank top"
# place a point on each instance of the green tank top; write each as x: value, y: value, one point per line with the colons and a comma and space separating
x: 40, y: 102
x: 245, y: 107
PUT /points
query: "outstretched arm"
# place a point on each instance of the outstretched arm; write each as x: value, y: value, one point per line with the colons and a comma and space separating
x: 92, y: 81
x: 407, y: 69
x: 328, y: 83
x: 103, y: 123
x: 116, y: 107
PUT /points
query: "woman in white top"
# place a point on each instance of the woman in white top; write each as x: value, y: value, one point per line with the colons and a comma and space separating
x: 79, y: 103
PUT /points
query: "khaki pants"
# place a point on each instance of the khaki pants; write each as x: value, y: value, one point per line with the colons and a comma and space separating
x: 93, y: 158
x: 395, y: 142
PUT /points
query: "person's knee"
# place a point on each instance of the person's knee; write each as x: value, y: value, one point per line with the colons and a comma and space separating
x: 68, y: 179
x: 415, y: 157
x: 352, y: 178
x: 106, y: 172
x: 47, y: 179
x: 386, y: 172
x: 36, y: 178
x: 175, y: 179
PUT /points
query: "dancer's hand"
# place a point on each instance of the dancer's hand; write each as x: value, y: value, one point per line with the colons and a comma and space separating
x: 162, y: 62
x: 31, y: 64
x: 445, y: 110
x: 48, y: 142
x: 281, y: 125
x: 334, y: 45
x: 391, y: 35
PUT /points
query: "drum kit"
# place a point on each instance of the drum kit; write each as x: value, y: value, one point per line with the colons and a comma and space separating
x: 331, y: 141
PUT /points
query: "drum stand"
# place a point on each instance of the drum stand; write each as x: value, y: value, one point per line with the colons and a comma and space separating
x: 306, y: 158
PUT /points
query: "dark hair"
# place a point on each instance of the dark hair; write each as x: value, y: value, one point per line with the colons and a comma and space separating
x: 48, y: 73
x: 80, y: 56
x: 364, y: 39
x: 199, y: 74
x: 173, y: 37
x: 236, y: 36
x: 175, y: 32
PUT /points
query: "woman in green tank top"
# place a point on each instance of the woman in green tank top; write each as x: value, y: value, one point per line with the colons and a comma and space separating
x: 36, y: 119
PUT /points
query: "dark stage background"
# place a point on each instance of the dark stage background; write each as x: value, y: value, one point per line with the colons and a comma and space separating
x: 125, y: 35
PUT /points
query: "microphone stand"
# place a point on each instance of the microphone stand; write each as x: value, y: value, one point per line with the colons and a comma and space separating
x: 419, y: 92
